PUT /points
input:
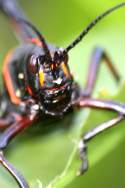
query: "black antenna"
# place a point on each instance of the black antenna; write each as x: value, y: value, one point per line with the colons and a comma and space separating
x: 91, y: 25
x: 42, y: 39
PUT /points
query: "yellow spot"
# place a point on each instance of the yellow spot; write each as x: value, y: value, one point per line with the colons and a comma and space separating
x: 52, y: 66
x: 41, y: 77
x: 103, y: 92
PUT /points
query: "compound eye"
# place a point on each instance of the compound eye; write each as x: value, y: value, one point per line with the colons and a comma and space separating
x: 33, y: 66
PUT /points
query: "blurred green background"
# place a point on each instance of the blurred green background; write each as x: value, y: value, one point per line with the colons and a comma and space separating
x: 49, y: 149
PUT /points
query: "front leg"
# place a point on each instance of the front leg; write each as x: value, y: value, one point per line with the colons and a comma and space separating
x: 14, y: 130
x: 104, y: 105
x: 6, y: 121
x: 11, y: 169
x: 20, y: 123
x: 90, y: 135
x: 97, y: 56
x: 5, y: 138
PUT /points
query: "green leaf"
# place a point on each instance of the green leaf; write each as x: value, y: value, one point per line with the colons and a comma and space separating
x: 46, y: 154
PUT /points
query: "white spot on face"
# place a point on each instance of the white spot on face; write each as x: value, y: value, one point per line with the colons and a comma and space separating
x: 21, y: 76
x: 41, y: 107
x: 53, y: 91
x: 18, y: 93
x: 58, y: 81
x: 54, y: 101
x: 35, y: 107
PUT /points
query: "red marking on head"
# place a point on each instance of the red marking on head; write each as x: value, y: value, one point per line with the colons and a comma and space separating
x: 55, y: 89
x: 29, y: 90
x: 35, y: 41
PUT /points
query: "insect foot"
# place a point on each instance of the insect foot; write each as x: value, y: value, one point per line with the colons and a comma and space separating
x: 83, y: 156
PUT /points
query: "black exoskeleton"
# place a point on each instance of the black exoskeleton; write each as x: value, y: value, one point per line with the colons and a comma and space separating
x: 38, y: 83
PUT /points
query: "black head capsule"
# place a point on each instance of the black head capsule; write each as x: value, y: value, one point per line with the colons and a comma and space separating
x: 56, y: 84
x: 50, y: 82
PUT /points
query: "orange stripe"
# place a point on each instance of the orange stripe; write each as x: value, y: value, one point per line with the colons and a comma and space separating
x: 8, y: 80
x: 35, y: 41
x: 29, y: 90
x: 65, y: 70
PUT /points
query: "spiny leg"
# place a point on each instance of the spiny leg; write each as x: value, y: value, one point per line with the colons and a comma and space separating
x: 5, y: 138
x: 5, y: 122
x: 12, y: 131
x: 16, y: 174
x: 90, y: 135
x: 102, y: 104
x: 97, y: 56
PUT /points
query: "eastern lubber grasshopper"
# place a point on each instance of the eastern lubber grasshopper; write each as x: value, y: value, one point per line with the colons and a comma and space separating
x: 38, y: 83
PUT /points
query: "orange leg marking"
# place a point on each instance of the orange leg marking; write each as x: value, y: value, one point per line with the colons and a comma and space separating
x: 8, y: 80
